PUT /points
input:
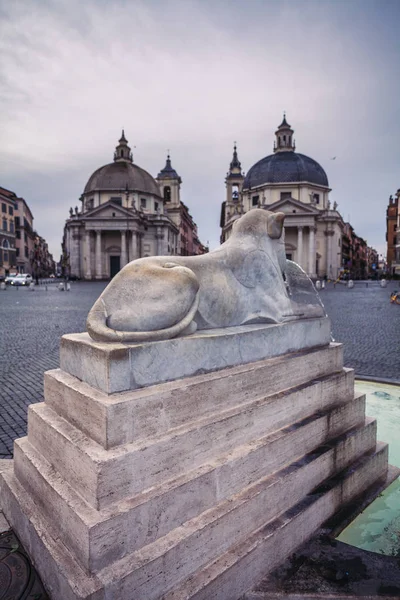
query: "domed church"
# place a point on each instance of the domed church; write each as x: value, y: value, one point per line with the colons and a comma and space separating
x: 127, y: 214
x: 293, y: 183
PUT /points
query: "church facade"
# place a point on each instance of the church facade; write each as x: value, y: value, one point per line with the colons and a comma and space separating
x: 297, y: 185
x: 125, y: 214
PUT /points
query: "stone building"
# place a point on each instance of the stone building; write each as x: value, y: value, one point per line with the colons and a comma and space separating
x: 8, y: 258
x: 25, y: 236
x: 42, y: 263
x: 297, y: 185
x: 23, y: 250
x: 393, y: 234
x: 125, y: 214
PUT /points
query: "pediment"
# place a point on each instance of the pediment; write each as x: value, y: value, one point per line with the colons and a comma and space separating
x: 106, y: 210
x: 288, y: 205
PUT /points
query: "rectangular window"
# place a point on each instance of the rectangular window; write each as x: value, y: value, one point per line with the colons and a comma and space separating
x: 156, y: 206
x: 17, y: 252
x: 26, y: 252
x: 143, y: 202
x: 4, y: 207
x: 255, y: 200
x: 25, y: 236
x: 10, y: 210
x: 316, y: 198
x: 116, y: 200
x: 18, y: 234
x: 17, y: 222
x: 4, y: 225
x: 285, y: 195
x: 11, y: 227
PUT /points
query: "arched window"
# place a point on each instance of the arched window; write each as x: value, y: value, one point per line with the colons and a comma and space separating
x: 6, y: 244
x: 167, y: 193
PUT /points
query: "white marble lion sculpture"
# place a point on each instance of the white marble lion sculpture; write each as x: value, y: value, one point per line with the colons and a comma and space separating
x: 239, y: 283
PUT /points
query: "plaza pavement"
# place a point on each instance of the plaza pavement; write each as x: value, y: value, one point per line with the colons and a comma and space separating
x: 32, y: 323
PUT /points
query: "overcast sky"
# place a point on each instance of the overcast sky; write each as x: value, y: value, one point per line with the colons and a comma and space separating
x: 193, y: 76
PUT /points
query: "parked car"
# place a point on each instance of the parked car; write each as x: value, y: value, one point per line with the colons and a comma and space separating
x: 21, y: 279
x: 10, y: 277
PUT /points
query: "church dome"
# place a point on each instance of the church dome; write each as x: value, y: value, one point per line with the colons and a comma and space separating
x: 122, y: 174
x: 285, y: 167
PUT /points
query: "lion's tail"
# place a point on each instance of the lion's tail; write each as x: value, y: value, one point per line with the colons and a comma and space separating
x: 100, y: 332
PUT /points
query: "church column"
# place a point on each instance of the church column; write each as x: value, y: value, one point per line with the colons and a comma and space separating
x: 123, y: 248
x: 311, y: 253
x: 329, y: 256
x: 159, y: 238
x: 300, y: 246
x: 134, y: 246
x: 74, y: 251
x: 99, y: 270
x: 139, y: 237
x: 88, y: 274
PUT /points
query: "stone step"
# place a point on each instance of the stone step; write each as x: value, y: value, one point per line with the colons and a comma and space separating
x: 98, y: 538
x: 122, y: 418
x: 65, y: 578
x: 150, y: 573
x: 103, y: 477
x: 243, y: 565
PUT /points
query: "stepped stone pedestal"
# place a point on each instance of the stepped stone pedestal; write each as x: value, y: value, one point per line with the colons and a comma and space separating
x: 187, y: 468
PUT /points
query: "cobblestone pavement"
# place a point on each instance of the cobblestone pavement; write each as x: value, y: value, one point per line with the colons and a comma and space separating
x: 32, y: 323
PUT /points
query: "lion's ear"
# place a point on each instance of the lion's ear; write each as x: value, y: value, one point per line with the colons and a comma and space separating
x: 275, y: 225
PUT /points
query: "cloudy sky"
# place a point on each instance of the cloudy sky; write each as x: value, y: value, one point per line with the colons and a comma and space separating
x: 193, y: 76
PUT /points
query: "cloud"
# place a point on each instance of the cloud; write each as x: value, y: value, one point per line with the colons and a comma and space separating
x: 193, y: 77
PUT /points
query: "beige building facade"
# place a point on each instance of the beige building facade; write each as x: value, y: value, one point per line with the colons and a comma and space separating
x: 297, y: 185
x: 127, y: 214
x: 122, y: 217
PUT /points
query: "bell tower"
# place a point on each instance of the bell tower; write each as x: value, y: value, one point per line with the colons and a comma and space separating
x: 170, y: 184
x: 234, y: 183
x: 284, y: 137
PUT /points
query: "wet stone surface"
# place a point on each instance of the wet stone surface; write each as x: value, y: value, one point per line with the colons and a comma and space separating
x: 326, y: 566
x: 32, y: 324
x: 18, y: 579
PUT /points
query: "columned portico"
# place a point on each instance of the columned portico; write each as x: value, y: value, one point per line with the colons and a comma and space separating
x: 98, y: 262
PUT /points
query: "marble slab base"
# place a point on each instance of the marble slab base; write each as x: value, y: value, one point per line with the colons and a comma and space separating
x: 119, y: 367
x: 189, y: 488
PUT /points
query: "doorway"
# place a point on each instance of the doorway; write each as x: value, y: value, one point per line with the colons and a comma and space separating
x: 115, y: 265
